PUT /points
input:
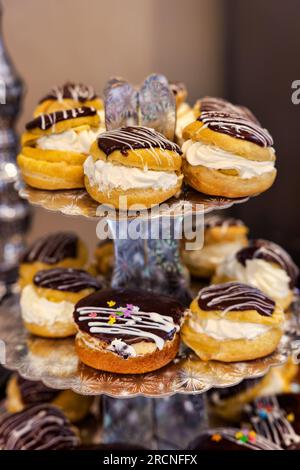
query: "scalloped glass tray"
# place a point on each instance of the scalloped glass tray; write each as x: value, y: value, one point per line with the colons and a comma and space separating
x: 78, y: 202
x: 56, y: 364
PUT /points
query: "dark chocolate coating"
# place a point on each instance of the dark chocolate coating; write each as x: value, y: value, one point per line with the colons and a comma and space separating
x: 236, y: 121
x: 66, y: 280
x: 134, y: 138
x: 69, y: 90
x: 217, y: 395
x: 39, y: 427
x: 52, y: 249
x: 45, y: 121
x: 33, y: 392
x: 236, y: 297
x: 269, y: 251
x: 146, y: 301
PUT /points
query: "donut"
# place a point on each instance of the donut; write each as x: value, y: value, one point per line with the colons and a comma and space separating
x: 59, y: 249
x: 277, y: 418
x: 47, y: 304
x: 127, y: 331
x: 55, y: 147
x: 104, y: 256
x: 228, y: 438
x: 135, y: 162
x: 68, y: 96
x: 227, y: 152
x: 265, y: 265
x: 22, y: 393
x: 232, y: 322
x: 38, y: 427
x: 222, y: 236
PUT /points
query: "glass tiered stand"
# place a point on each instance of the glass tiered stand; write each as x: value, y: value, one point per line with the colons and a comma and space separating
x: 164, y: 409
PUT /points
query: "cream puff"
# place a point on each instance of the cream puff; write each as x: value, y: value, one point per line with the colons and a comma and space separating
x: 127, y: 331
x: 232, y: 322
x: 55, y: 147
x: 134, y: 162
x: 39, y: 427
x: 222, y: 236
x: 68, y: 96
x: 227, y: 152
x: 265, y: 265
x: 22, y: 393
x: 59, y: 249
x: 47, y: 304
x: 184, y: 113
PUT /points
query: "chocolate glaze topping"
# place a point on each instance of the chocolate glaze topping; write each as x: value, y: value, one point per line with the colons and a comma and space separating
x: 76, y: 92
x: 52, y: 248
x: 39, y: 427
x: 217, y: 395
x: 33, y: 392
x: 134, y: 138
x: 66, y: 279
x: 269, y: 251
x: 139, y: 316
x: 227, y: 440
x: 45, y: 121
x: 237, y: 297
x: 237, y: 121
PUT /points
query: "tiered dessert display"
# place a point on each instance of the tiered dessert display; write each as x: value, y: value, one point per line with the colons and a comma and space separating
x: 128, y: 335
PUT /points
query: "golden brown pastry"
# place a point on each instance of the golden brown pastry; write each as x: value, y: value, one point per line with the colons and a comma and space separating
x: 232, y: 322
x: 59, y: 249
x: 127, y: 331
x: 133, y: 163
x: 227, y: 152
x: 104, y: 255
x: 55, y: 147
x: 47, y: 304
x: 222, y: 236
x: 265, y: 265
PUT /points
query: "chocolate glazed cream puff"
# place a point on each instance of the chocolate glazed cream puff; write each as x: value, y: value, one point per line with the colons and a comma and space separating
x: 136, y: 162
x: 222, y: 236
x: 264, y: 265
x: 68, y: 96
x: 55, y: 147
x: 59, y: 249
x: 47, y: 304
x: 232, y: 322
x: 127, y: 331
x: 227, y: 152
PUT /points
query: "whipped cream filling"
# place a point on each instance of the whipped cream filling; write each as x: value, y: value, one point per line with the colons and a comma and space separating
x: 107, y: 176
x: 69, y: 140
x: 42, y: 311
x: 184, y: 116
x: 269, y: 278
x: 210, y: 156
x: 213, y: 254
x: 222, y: 329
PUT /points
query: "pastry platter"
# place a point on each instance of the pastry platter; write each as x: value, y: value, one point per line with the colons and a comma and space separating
x: 56, y: 364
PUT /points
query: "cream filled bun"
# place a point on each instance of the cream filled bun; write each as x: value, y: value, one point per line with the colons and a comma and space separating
x: 227, y: 152
x: 135, y: 162
x: 59, y: 249
x: 232, y: 322
x: 184, y: 113
x: 264, y: 265
x: 127, y: 331
x: 222, y: 237
x: 68, y: 96
x: 47, y: 304
x: 55, y: 147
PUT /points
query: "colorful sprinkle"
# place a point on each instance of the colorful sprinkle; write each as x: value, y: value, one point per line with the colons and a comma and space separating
x: 111, y: 303
x: 290, y: 417
x: 111, y: 320
x: 263, y: 414
x: 92, y: 315
x: 216, y: 437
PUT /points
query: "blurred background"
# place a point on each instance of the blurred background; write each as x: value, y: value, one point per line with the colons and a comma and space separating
x: 246, y: 51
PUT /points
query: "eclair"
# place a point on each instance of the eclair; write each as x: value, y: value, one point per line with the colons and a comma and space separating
x: 232, y: 322
x: 127, y: 331
x: 55, y: 147
x: 227, y: 152
x: 47, y: 304
x: 59, y: 249
x: 265, y: 265
x: 134, y: 162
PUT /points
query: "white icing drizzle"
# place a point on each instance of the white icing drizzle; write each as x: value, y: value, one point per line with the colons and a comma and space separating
x: 136, y: 325
x: 78, y: 92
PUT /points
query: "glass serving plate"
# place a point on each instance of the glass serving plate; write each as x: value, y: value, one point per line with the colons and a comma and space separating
x: 56, y: 364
